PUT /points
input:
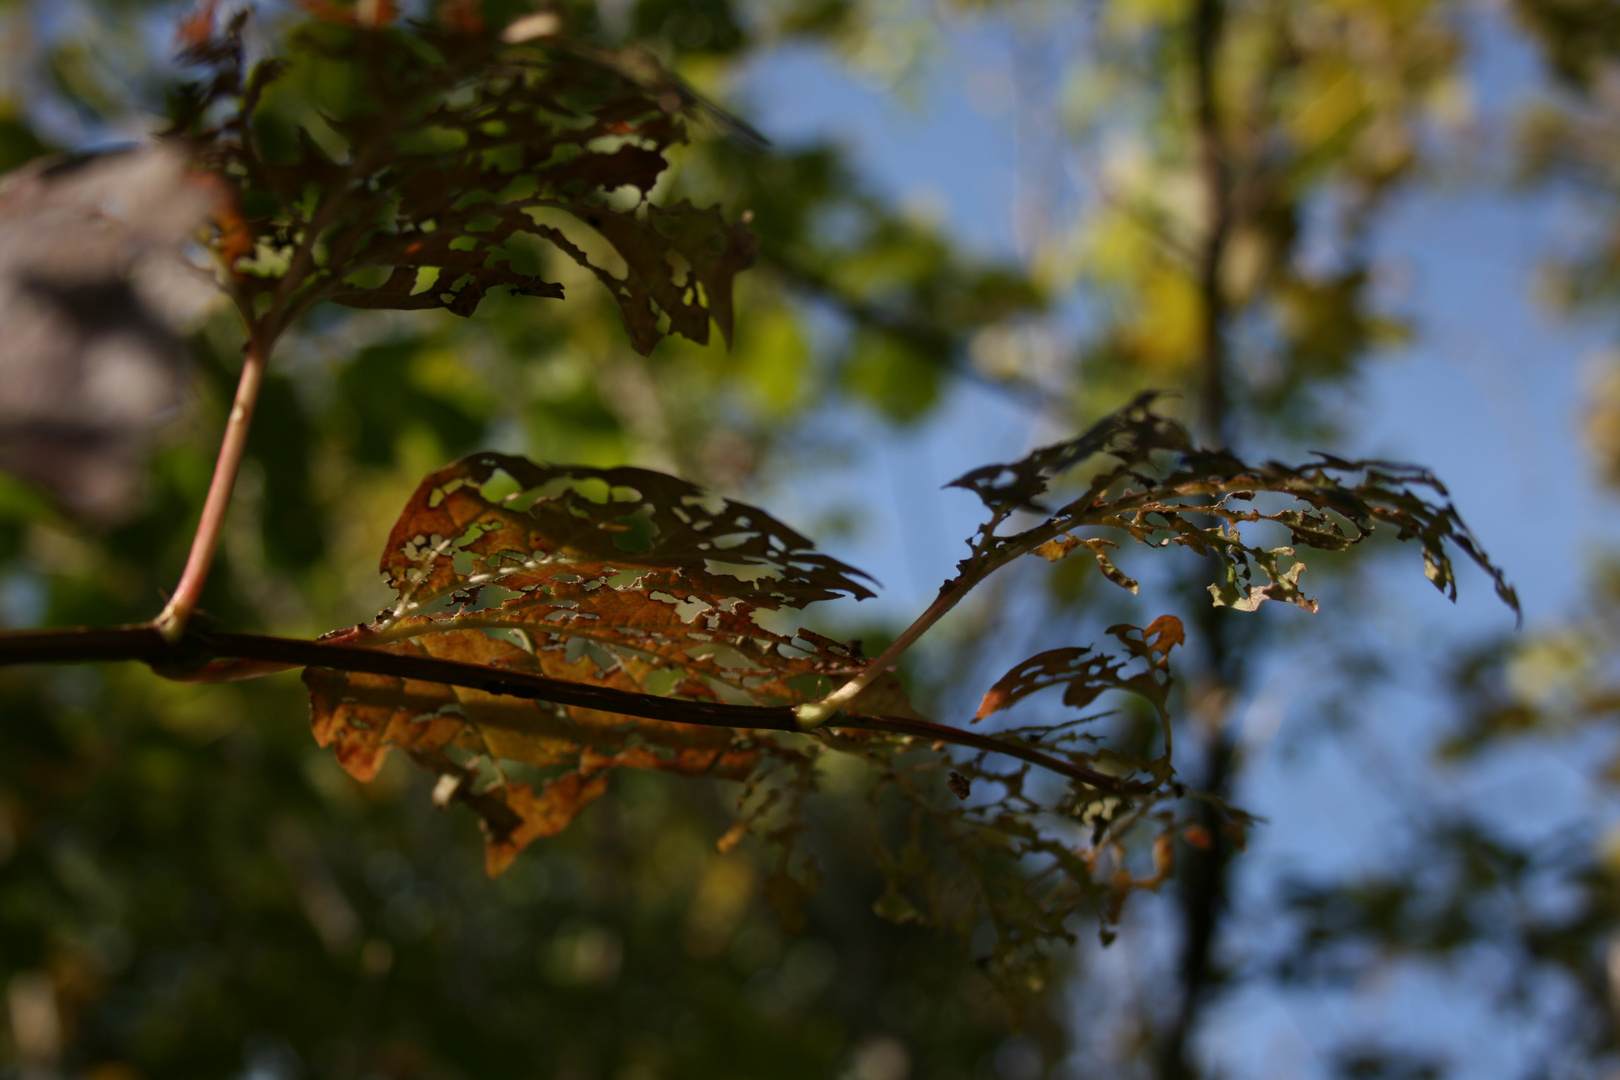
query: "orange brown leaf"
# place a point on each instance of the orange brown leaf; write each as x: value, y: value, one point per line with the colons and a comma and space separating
x: 618, y: 578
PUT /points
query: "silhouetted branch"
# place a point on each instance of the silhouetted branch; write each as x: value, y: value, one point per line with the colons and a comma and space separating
x: 195, y: 658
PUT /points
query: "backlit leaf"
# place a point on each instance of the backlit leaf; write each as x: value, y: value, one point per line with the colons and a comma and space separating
x: 1087, y: 673
x: 1147, y: 481
x: 620, y: 578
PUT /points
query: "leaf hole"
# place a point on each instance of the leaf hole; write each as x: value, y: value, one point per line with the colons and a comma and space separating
x: 742, y: 571
x: 370, y: 277
x: 680, y: 271
x: 687, y: 610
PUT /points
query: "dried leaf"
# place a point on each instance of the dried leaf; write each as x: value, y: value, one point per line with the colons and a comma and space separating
x: 1053, y: 550
x: 1088, y: 673
x: 622, y: 578
x: 546, y: 814
x: 570, y: 526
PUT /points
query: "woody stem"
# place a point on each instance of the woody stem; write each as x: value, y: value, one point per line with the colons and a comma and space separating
x: 189, y: 661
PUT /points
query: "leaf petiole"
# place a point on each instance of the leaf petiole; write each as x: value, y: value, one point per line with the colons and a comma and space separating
x: 815, y: 713
x: 171, y: 621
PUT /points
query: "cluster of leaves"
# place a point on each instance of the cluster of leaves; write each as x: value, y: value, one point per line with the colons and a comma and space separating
x: 638, y: 582
x: 199, y: 890
x: 444, y: 172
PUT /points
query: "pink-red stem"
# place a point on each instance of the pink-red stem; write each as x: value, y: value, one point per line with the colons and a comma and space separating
x: 171, y: 622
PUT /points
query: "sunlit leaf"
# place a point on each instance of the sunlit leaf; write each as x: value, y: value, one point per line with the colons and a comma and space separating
x: 622, y: 578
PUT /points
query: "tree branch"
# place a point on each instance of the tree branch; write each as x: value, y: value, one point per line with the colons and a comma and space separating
x: 1202, y: 884
x: 190, y: 659
x: 1208, y: 17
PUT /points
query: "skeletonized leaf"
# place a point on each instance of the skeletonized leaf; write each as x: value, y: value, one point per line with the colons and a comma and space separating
x: 1147, y: 481
x: 1087, y: 673
x: 569, y: 525
x: 955, y: 863
x: 620, y: 578
x: 428, y: 184
x: 1132, y: 434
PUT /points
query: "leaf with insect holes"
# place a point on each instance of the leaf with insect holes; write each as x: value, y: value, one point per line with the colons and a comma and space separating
x: 635, y: 581
x: 951, y: 862
x: 441, y: 174
x: 572, y: 524
x: 1086, y: 673
x: 1138, y: 474
x: 620, y: 578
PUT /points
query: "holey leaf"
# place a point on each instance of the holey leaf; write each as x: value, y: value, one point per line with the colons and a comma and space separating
x: 386, y: 167
x: 575, y: 525
x: 619, y: 578
x: 1000, y: 856
x: 1139, y: 474
x: 1086, y: 673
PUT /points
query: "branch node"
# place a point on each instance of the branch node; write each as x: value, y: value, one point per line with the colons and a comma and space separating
x: 813, y: 714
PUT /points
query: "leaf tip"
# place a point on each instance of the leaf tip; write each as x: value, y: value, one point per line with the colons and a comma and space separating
x: 995, y: 699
